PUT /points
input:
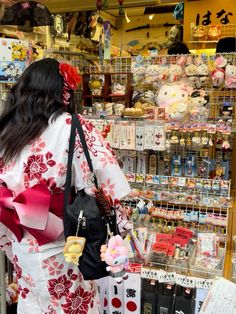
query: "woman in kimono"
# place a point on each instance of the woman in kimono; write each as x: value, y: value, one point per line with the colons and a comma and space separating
x: 34, y: 138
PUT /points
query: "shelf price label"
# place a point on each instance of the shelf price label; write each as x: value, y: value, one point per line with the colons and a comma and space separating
x: 185, y: 281
x: 159, y: 275
x: 204, y: 283
x: 150, y: 273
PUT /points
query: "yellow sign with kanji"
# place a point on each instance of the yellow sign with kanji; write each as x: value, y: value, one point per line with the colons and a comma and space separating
x: 207, y: 13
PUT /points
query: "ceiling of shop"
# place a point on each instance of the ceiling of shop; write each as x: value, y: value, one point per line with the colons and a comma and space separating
x: 83, y: 5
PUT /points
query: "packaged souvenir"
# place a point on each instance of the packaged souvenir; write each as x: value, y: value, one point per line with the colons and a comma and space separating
x: 215, y: 185
x: 152, y: 163
x: 159, y: 138
x: 208, y: 244
x: 176, y: 169
x: 149, y: 135
x: 207, y: 184
x: 149, y: 179
x: 163, y: 180
x: 199, y: 184
x: 156, y: 180
x: 140, y: 138
x: 199, y: 32
x: 190, y: 166
x: 214, y: 32
x: 173, y: 181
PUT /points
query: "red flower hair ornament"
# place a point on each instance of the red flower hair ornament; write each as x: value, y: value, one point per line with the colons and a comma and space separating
x: 71, y: 79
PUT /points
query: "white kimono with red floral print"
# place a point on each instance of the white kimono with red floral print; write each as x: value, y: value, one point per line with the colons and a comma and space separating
x: 47, y: 284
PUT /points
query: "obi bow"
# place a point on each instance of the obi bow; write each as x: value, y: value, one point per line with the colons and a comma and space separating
x: 31, y: 211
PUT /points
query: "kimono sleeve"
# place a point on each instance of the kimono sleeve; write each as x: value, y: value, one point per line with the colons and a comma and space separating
x: 110, y: 176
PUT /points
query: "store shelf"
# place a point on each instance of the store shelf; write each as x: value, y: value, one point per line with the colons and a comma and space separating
x: 105, y: 88
x: 105, y: 96
x: 106, y: 72
x: 203, y: 42
x: 71, y: 53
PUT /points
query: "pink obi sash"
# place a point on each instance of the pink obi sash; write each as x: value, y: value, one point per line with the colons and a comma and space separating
x: 34, y: 210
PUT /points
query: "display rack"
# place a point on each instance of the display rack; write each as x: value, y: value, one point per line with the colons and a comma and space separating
x: 169, y: 207
x: 106, y: 92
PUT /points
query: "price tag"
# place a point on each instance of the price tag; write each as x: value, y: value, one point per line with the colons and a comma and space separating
x: 167, y: 277
x: 181, y: 181
x: 185, y: 281
x: 149, y: 273
x: 204, y: 283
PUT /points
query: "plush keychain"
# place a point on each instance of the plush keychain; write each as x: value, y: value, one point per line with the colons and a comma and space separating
x: 198, y: 108
x: 151, y: 73
x: 115, y: 254
x: 203, y: 73
x: 74, y: 249
x: 230, y: 76
x: 175, y: 72
x: 218, y: 77
x: 191, y: 71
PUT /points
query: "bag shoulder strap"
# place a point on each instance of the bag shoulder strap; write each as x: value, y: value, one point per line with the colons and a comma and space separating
x: 76, y: 125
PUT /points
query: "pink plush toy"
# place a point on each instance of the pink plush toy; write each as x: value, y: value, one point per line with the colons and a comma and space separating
x: 116, y: 257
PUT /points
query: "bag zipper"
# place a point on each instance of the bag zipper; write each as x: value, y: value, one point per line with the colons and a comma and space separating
x: 80, y: 219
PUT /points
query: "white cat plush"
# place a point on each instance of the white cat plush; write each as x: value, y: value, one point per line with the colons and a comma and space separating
x: 191, y: 71
x: 164, y: 72
x: 138, y: 71
x: 174, y: 99
x: 175, y: 72
x: 230, y: 76
x: 203, y: 74
x: 171, y: 93
x: 151, y: 73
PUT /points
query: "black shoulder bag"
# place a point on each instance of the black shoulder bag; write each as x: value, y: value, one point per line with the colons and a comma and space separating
x: 87, y: 216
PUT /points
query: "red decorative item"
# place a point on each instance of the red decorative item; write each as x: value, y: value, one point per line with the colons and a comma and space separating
x: 106, y: 130
x: 71, y: 80
x: 99, y: 4
x: 121, y: 10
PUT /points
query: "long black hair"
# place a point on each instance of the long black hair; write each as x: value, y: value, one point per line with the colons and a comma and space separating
x: 35, y: 98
